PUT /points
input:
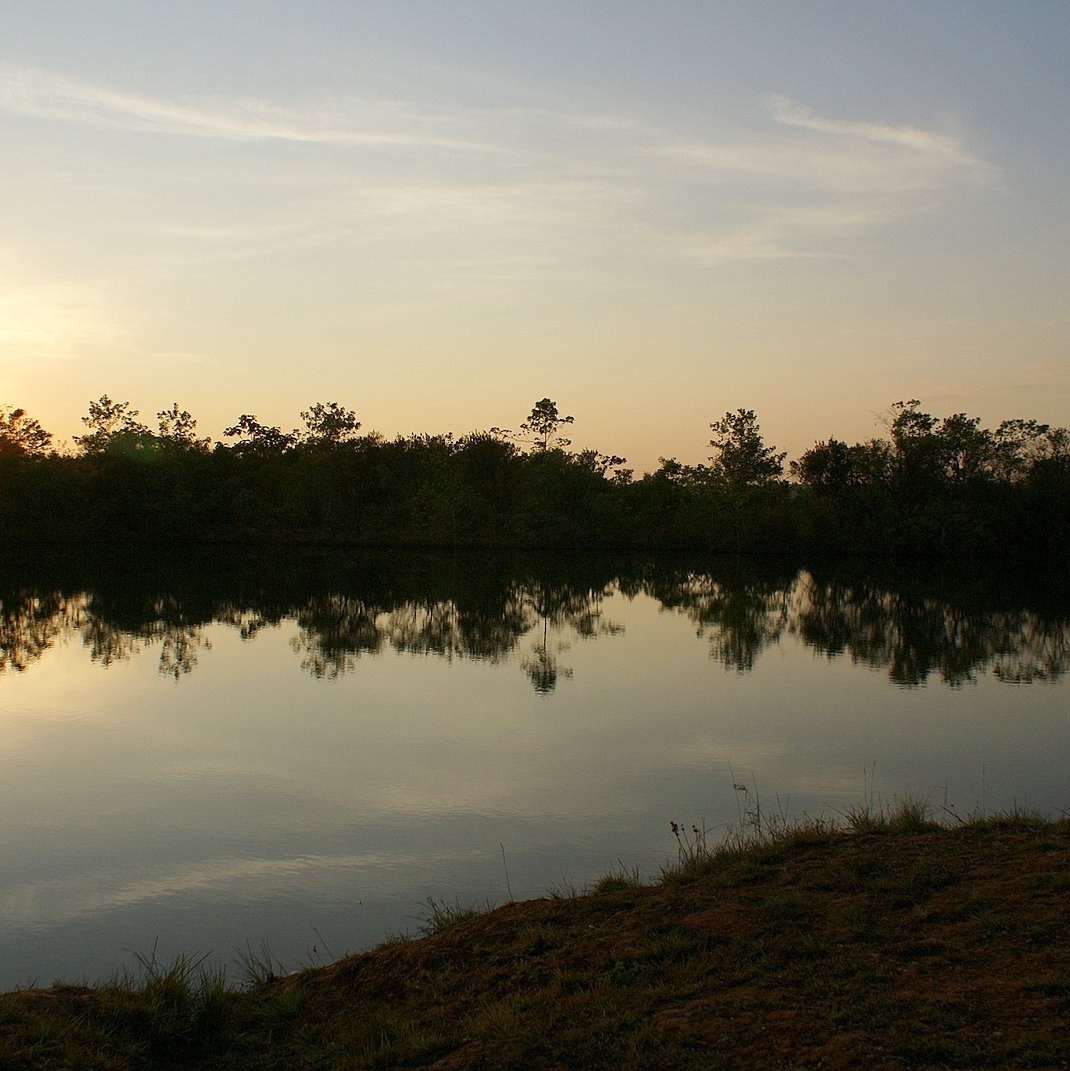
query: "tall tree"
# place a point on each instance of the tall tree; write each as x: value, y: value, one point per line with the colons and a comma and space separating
x: 327, y: 425
x: 742, y: 459
x: 932, y: 453
x: 832, y: 467
x: 178, y: 428
x: 543, y: 423
x: 111, y: 424
x: 1020, y: 445
x: 256, y: 438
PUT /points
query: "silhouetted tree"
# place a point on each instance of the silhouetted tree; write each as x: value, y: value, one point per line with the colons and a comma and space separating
x: 256, y: 438
x: 833, y: 467
x: 21, y: 434
x: 594, y: 461
x: 112, y: 425
x: 541, y: 427
x: 933, y: 486
x: 179, y: 429
x: 1019, y: 445
x: 967, y: 449
x: 543, y: 423
x: 742, y: 459
x: 327, y: 425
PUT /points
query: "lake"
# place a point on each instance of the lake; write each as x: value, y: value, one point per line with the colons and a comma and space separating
x: 290, y: 754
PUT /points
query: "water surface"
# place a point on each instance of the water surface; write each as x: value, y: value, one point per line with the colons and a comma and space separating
x: 217, y: 755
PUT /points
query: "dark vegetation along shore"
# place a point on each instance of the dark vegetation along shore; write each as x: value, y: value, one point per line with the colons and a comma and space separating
x: 934, y: 487
x: 886, y: 942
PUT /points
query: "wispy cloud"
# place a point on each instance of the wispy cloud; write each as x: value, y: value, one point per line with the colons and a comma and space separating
x: 791, y: 113
x: 45, y: 95
x: 795, y: 194
x: 542, y: 187
x: 792, y: 232
x: 842, y: 156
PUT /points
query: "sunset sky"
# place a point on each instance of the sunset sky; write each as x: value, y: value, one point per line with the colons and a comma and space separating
x: 437, y: 213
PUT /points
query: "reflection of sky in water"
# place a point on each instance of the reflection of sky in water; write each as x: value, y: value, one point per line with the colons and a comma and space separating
x: 251, y: 801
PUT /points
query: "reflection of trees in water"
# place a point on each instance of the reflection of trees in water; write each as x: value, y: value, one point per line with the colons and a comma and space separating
x: 106, y: 642
x: 1042, y: 655
x: 912, y: 630
x: 738, y: 614
x: 442, y: 627
x: 562, y: 607
x: 542, y: 666
x: 915, y: 636
x: 334, y: 630
x: 30, y: 623
x: 114, y: 632
x: 909, y: 636
x: 246, y: 622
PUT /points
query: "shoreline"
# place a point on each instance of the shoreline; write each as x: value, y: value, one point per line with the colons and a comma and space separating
x: 881, y: 941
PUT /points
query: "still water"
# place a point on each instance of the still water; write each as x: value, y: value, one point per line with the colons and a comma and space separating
x: 292, y: 755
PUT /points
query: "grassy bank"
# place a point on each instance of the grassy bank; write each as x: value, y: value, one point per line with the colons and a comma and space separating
x: 888, y: 942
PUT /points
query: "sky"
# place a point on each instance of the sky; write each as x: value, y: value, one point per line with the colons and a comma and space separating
x: 438, y: 213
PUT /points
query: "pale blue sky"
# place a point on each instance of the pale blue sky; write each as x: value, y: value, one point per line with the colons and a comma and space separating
x: 438, y: 213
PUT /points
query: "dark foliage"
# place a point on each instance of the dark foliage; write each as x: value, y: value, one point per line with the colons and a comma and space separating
x: 935, y: 487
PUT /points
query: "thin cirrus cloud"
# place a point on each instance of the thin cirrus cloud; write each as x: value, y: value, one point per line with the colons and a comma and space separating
x: 930, y: 143
x: 555, y: 179
x: 350, y: 121
x: 45, y: 95
x: 823, y: 179
x: 839, y: 157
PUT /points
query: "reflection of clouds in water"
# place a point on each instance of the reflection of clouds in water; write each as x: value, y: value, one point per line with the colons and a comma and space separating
x: 31, y: 906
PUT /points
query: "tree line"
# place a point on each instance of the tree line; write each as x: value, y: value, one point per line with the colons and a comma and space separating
x: 933, y: 486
